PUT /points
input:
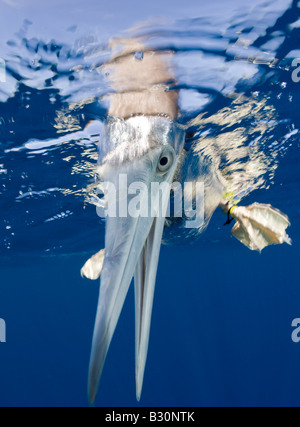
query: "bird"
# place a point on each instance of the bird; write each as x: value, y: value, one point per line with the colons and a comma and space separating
x: 143, y: 165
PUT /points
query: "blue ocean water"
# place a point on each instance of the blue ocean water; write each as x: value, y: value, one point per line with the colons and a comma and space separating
x: 221, y: 330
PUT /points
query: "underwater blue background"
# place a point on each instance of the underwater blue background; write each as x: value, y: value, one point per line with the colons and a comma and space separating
x: 221, y: 329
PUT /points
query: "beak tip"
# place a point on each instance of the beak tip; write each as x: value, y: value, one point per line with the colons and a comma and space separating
x: 92, y: 392
x: 138, y: 395
x: 91, y: 399
x: 139, y: 386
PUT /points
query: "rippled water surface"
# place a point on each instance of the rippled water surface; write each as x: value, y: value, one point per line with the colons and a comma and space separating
x: 236, y: 93
x: 233, y: 65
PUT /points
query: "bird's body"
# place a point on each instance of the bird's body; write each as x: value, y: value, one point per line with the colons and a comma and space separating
x: 141, y: 156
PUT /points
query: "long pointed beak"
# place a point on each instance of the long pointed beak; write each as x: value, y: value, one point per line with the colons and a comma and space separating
x: 132, y: 248
x: 145, y: 278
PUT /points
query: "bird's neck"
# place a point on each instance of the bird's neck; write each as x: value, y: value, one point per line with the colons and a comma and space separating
x: 141, y: 86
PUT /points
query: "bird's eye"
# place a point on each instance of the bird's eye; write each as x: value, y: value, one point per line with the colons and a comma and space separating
x: 165, y: 162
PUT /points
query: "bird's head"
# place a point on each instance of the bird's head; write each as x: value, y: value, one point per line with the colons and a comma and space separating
x: 139, y: 158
